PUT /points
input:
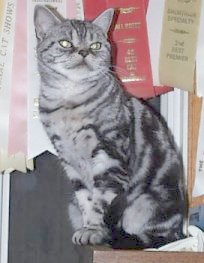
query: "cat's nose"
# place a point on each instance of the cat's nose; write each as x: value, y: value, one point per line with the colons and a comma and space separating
x: 83, y: 52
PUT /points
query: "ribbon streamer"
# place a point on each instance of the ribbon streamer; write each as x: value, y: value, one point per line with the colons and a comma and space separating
x: 13, y: 152
x: 71, y: 9
x: 179, y: 43
x: 200, y: 56
x: 6, y: 59
x: 18, y: 107
x: 154, y: 27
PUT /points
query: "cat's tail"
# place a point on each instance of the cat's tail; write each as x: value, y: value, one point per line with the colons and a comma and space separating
x: 122, y: 240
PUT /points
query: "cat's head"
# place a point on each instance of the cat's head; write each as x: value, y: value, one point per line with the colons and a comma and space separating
x: 73, y: 48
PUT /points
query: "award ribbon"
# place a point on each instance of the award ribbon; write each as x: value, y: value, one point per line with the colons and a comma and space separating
x: 79, y: 10
x: 18, y: 107
x: 6, y: 58
x: 71, y: 9
x: 17, y: 146
x: 75, y: 9
x: 200, y: 57
x: 154, y: 20
x: 129, y: 35
x: 179, y: 42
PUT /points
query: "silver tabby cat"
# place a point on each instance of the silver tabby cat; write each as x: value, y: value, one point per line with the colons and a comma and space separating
x: 125, y: 169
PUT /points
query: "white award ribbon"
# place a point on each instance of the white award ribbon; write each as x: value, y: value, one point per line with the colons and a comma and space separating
x: 6, y: 57
x: 154, y: 17
x: 79, y: 10
x: 199, y: 174
x: 200, y: 56
x: 38, y: 141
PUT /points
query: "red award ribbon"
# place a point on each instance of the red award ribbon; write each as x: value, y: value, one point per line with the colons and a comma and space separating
x: 132, y: 58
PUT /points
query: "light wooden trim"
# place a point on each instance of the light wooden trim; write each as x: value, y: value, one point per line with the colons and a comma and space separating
x: 195, y: 105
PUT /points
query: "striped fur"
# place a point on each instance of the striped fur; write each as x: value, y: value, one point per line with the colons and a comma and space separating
x: 119, y: 155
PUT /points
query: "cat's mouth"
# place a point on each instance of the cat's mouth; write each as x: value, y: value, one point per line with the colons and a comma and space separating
x: 84, y: 65
x: 81, y: 65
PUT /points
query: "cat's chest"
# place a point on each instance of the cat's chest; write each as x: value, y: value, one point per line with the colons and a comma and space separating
x: 73, y: 137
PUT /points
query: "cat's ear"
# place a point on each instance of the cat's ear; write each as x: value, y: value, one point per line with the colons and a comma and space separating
x: 104, y: 20
x: 43, y: 20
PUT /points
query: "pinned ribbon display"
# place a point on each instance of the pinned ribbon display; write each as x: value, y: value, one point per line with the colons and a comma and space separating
x: 138, y: 61
x: 21, y: 132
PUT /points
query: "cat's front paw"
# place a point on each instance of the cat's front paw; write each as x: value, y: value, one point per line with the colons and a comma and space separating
x: 88, y: 236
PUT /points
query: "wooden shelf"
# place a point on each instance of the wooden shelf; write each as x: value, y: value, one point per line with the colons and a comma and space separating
x: 134, y: 256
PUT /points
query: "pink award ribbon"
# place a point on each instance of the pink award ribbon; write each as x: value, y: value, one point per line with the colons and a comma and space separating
x: 6, y: 58
x: 18, y: 107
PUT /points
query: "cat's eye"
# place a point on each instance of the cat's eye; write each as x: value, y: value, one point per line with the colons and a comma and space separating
x: 65, y: 43
x: 95, y: 46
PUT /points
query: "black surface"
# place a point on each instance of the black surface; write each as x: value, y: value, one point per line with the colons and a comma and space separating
x: 39, y: 227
